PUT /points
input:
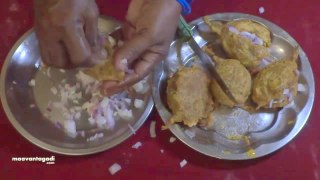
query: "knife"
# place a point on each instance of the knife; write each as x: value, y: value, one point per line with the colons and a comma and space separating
x: 207, y: 62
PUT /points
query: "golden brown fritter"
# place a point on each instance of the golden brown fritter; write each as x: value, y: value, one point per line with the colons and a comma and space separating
x: 189, y: 97
x: 236, y: 77
x: 276, y: 85
x: 106, y: 71
x: 244, y: 40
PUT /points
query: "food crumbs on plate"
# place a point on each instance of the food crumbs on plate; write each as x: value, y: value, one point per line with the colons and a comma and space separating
x: 235, y: 138
x: 226, y: 152
x: 247, y: 140
x: 114, y: 168
x: 172, y: 139
x: 32, y: 83
x: 291, y: 122
x: 153, y: 129
x: 251, y: 153
x: 137, y: 145
x: 261, y: 10
x: 183, y: 163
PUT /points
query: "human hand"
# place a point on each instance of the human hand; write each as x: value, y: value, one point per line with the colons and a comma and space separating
x: 148, y: 32
x: 67, y: 31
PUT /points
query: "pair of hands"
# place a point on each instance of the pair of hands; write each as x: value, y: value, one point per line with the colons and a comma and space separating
x: 68, y: 36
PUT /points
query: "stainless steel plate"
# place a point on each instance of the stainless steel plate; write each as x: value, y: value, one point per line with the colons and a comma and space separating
x: 36, y: 124
x: 238, y: 135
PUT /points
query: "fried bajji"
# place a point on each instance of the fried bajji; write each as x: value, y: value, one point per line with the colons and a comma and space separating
x: 189, y: 97
x: 276, y: 85
x: 236, y: 77
x: 244, y: 40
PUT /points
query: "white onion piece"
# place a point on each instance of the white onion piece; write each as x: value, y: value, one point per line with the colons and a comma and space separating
x: 13, y: 82
x: 137, y: 145
x: 70, y: 128
x: 138, y: 103
x: 62, y: 70
x: 301, y: 88
x: 32, y: 83
x: 162, y: 151
x: 261, y: 10
x: 153, y: 129
x: 271, y: 103
x: 114, y: 168
x: 172, y: 139
x: 183, y: 163
x: 125, y: 114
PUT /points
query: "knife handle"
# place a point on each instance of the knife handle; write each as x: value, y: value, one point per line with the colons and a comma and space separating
x: 184, y: 28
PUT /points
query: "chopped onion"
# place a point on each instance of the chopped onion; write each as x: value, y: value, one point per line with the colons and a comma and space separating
x: 138, y: 103
x: 172, y: 139
x: 301, y: 87
x: 70, y: 128
x: 127, y: 100
x: 125, y: 114
x: 137, y: 145
x: 190, y: 134
x: 62, y: 70
x: 162, y: 151
x: 95, y: 137
x: 153, y: 129
x: 54, y: 90
x: 138, y: 87
x: 114, y: 168
x: 124, y: 61
x: 82, y: 133
x: 13, y: 82
x: 77, y: 115
x: 183, y: 163
x: 131, y: 128
x: 110, y: 119
x: 233, y: 29
x: 32, y: 83
x: 286, y: 92
x: 261, y: 10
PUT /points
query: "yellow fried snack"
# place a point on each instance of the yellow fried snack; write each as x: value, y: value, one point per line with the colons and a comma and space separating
x: 189, y: 97
x: 244, y: 40
x: 276, y: 85
x: 106, y: 70
x: 236, y: 77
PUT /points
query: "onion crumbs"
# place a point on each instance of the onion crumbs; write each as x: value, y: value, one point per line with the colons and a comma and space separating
x: 137, y: 145
x: 114, y: 168
x: 172, y: 139
x: 301, y: 87
x: 183, y: 163
x: 261, y: 10
x: 162, y: 151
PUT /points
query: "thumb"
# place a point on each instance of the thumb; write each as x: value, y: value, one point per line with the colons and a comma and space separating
x: 132, y: 50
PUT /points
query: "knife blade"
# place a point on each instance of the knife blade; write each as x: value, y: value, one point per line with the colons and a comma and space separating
x: 207, y: 62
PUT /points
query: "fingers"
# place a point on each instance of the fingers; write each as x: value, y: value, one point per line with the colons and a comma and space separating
x: 142, y: 68
x: 91, y: 27
x: 132, y: 49
x: 77, y: 45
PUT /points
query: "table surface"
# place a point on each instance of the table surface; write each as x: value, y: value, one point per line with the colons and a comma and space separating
x: 299, y: 159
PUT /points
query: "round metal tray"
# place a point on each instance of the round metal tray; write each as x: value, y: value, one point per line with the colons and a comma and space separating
x: 261, y: 133
x: 22, y: 65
